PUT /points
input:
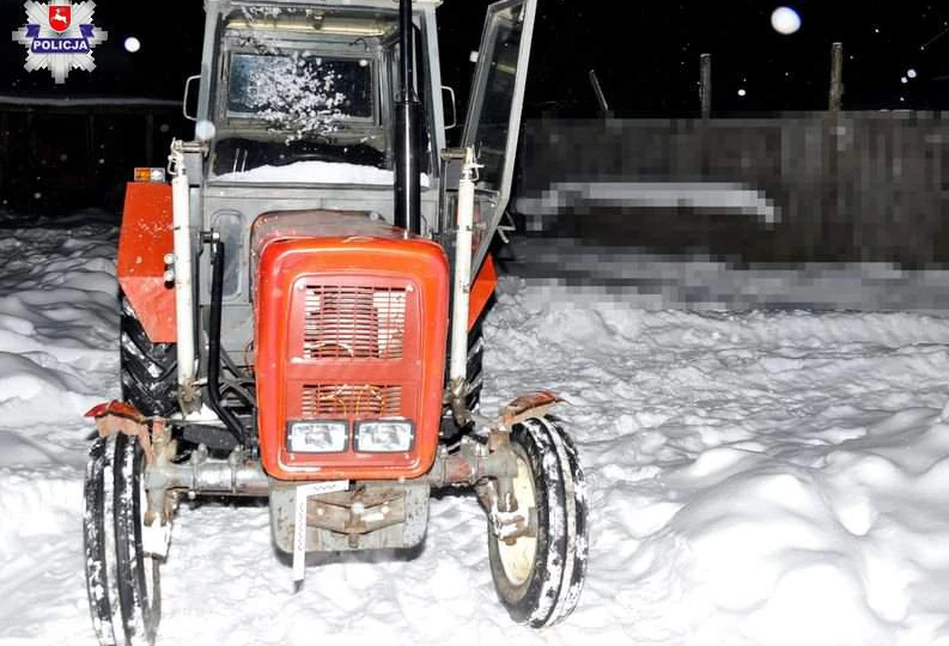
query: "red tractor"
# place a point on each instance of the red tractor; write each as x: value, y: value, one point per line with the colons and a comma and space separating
x: 293, y: 328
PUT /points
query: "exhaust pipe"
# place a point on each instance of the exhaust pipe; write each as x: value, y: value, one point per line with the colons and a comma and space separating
x: 408, y: 188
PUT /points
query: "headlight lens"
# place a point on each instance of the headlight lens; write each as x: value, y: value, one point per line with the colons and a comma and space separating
x: 318, y: 437
x: 384, y: 436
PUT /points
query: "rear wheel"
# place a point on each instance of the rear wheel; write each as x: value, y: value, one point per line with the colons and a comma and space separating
x: 149, y: 370
x: 539, y: 576
x: 121, y: 579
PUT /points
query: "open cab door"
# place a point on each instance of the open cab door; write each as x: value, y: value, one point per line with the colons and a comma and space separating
x: 493, y: 119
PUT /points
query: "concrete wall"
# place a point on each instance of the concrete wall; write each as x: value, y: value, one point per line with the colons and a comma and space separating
x: 856, y: 186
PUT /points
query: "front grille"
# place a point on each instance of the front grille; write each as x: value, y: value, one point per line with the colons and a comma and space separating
x: 352, y: 322
x: 351, y: 400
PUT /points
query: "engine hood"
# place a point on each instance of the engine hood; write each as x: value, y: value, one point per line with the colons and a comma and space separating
x: 317, y: 223
x: 351, y: 321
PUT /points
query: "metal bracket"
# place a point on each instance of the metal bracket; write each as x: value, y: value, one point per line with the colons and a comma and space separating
x: 121, y: 417
x: 504, y: 229
x: 303, y: 492
x: 508, y: 525
x: 535, y: 404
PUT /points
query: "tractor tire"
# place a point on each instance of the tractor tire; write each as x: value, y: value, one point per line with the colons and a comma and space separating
x: 121, y: 579
x: 475, y: 366
x: 539, y: 578
x: 149, y: 370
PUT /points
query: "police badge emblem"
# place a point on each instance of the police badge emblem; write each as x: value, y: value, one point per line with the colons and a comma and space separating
x: 59, y: 37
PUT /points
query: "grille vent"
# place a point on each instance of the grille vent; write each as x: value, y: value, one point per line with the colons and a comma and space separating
x: 349, y: 322
x: 349, y: 400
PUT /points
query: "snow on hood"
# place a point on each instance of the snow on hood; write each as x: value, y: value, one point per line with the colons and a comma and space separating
x: 317, y: 172
x: 755, y: 478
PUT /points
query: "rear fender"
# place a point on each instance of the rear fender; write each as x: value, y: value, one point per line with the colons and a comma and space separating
x: 144, y: 240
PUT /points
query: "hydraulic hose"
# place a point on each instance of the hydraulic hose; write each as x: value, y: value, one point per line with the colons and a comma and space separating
x: 230, y: 420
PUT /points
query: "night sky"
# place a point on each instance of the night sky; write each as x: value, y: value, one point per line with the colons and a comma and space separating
x: 645, y: 54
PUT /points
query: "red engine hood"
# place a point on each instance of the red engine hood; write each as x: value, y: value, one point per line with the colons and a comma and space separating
x: 330, y: 280
x: 290, y: 225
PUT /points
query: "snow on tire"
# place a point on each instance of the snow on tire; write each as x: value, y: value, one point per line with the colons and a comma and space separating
x: 121, y: 579
x: 539, y: 578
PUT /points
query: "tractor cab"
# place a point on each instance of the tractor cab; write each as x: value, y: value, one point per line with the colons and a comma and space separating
x: 301, y: 84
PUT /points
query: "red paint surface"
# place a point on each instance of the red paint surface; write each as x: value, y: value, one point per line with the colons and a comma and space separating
x: 115, y: 407
x: 481, y: 290
x: 145, y: 238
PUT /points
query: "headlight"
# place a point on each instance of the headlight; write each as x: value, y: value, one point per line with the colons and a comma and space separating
x: 384, y: 436
x: 318, y: 437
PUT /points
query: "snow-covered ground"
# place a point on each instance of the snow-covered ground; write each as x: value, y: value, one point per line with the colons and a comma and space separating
x: 757, y: 478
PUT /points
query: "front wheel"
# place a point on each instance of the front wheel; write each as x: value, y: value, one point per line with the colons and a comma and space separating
x: 121, y: 578
x: 539, y: 576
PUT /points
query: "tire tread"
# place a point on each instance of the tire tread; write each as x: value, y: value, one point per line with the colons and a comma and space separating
x: 115, y: 576
x: 149, y: 370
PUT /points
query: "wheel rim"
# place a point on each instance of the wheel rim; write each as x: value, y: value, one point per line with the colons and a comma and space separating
x: 517, y: 560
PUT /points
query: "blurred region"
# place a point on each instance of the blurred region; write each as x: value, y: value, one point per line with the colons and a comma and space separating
x: 857, y: 186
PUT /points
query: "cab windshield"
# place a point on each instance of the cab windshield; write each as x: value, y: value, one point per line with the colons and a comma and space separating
x: 264, y: 86
x: 305, y: 84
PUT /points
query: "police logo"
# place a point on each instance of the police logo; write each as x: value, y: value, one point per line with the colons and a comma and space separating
x: 59, y: 37
x: 60, y: 17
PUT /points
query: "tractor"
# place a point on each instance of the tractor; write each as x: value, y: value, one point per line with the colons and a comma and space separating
x: 302, y: 292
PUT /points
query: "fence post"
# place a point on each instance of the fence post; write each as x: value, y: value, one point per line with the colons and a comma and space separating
x: 836, y: 76
x: 705, y: 84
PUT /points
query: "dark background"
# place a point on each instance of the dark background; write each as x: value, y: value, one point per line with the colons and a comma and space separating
x: 645, y: 53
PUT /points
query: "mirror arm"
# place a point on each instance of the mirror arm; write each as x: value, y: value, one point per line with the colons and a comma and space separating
x: 184, y: 100
x: 454, y: 107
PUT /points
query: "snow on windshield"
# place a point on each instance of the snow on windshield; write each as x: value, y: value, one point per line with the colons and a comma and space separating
x: 285, y: 104
x: 299, y: 94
